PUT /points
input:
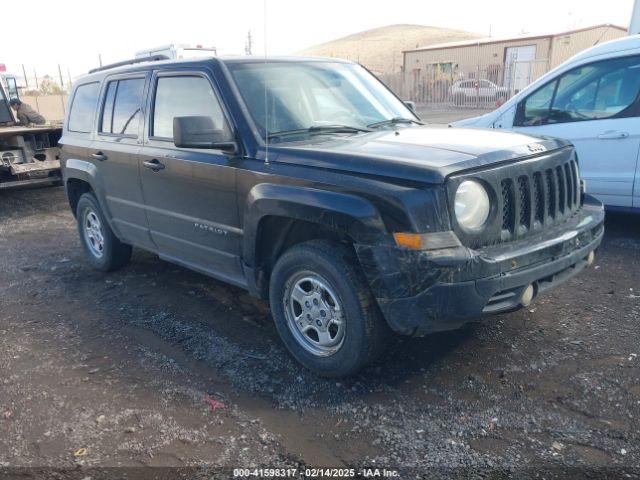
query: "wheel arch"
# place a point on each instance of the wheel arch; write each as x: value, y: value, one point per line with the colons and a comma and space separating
x: 79, y: 178
x: 277, y: 217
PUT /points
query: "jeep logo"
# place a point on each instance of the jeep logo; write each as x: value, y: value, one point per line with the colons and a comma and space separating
x: 536, y: 148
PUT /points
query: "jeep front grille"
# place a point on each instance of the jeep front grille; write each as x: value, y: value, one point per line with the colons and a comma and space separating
x: 528, y: 196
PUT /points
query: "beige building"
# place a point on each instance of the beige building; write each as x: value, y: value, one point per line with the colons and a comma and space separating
x: 512, y: 62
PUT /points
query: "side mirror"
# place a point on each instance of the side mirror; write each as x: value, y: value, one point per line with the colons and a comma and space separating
x: 200, y: 132
x: 411, y: 105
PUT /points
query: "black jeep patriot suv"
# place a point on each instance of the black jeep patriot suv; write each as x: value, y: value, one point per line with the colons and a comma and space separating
x: 309, y: 183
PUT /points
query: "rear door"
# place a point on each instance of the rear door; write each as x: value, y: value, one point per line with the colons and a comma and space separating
x: 190, y: 194
x: 595, y: 106
x: 115, y: 153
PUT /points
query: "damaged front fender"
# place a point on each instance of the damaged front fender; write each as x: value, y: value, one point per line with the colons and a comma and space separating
x: 425, y: 291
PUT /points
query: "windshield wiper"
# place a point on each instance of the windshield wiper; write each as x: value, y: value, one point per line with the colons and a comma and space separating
x: 320, y: 129
x: 394, y: 121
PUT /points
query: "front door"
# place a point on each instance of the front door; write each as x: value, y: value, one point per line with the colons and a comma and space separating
x: 190, y: 193
x: 115, y: 152
x: 596, y: 107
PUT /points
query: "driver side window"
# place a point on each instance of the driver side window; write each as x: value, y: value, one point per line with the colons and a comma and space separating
x: 601, y: 90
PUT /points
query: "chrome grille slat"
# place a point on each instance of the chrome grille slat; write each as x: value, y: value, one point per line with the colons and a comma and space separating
x: 568, y: 177
x: 574, y: 176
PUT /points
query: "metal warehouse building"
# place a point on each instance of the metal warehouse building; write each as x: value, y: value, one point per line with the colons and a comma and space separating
x: 511, y: 62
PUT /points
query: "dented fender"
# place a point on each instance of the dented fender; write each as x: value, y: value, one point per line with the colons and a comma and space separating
x: 350, y: 214
x: 424, y: 291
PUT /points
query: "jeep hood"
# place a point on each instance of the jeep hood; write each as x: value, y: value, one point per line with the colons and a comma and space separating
x: 422, y: 154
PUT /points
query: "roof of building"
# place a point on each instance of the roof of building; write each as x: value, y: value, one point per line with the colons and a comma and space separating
x: 492, y: 40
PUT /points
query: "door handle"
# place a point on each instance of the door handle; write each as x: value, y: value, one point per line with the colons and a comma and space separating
x: 613, y: 135
x: 99, y: 156
x: 154, y: 165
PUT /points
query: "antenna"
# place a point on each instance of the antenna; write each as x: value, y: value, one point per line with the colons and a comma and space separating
x: 249, y: 45
x: 266, y: 103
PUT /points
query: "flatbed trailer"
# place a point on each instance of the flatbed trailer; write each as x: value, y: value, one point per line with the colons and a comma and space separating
x: 29, y: 155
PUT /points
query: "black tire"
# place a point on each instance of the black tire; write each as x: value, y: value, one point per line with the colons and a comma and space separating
x: 114, y: 253
x: 365, y: 334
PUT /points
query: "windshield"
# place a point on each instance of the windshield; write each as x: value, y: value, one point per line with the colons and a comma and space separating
x: 307, y: 96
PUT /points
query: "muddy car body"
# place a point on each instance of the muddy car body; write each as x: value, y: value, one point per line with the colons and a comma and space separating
x: 351, y: 229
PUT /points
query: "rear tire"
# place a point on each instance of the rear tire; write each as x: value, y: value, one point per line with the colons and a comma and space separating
x: 340, y: 330
x: 103, y: 249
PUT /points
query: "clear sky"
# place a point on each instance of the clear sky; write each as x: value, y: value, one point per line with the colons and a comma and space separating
x: 42, y: 34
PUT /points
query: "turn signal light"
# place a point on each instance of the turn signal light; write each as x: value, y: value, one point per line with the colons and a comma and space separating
x: 414, y: 241
x: 426, y: 241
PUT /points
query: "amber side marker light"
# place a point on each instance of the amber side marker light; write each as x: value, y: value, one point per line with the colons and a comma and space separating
x: 426, y: 241
x: 414, y: 241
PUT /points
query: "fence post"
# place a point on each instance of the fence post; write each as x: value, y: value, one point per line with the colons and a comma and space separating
x: 478, y: 86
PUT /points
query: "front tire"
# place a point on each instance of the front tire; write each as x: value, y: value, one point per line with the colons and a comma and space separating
x: 103, y: 249
x: 324, y: 311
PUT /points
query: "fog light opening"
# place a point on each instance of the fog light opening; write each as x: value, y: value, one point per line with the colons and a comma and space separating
x: 591, y: 258
x: 527, y: 295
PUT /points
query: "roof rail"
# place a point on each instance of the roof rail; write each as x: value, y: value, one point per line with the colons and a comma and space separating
x: 133, y: 61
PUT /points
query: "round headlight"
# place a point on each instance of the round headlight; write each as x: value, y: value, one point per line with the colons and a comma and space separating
x: 472, y: 205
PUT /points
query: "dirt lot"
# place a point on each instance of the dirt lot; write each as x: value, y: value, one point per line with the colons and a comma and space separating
x: 157, y: 366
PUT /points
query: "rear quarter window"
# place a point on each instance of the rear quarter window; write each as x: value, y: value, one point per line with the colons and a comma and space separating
x: 83, y: 107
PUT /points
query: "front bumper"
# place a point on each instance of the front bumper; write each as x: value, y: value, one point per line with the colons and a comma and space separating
x: 421, y: 292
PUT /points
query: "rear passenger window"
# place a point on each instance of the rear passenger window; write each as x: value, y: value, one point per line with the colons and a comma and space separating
x: 122, y: 107
x: 83, y: 108
x: 184, y: 96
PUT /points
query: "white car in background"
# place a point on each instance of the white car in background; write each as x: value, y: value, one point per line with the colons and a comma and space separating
x: 593, y: 100
x: 464, y: 92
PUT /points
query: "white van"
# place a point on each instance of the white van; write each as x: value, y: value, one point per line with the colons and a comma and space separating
x: 593, y: 100
x: 179, y: 52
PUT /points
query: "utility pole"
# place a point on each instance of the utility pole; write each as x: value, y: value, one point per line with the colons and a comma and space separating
x: 634, y: 25
x: 26, y: 80
x: 249, y: 45
x: 61, y: 90
x: 60, y: 75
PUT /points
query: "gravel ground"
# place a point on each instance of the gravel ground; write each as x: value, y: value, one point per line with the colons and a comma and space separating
x: 155, y: 365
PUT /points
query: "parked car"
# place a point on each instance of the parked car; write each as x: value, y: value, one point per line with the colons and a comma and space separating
x: 325, y: 196
x: 593, y: 100
x: 464, y: 92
